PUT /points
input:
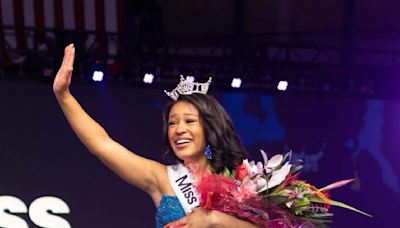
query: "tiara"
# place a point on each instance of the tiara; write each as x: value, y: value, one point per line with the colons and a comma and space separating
x: 187, y: 88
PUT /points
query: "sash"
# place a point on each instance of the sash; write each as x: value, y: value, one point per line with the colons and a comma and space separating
x: 182, y: 186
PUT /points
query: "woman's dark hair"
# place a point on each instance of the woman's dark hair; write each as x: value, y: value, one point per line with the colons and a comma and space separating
x: 226, y: 146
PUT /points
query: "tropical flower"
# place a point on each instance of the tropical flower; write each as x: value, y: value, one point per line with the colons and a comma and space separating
x: 278, y: 176
x: 255, y: 172
x: 296, y: 193
x: 271, y: 164
x: 253, y: 169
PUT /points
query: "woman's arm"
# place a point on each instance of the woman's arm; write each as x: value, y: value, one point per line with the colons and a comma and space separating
x: 138, y: 171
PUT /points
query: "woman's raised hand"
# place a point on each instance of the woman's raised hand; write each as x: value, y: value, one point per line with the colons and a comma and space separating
x: 63, y: 77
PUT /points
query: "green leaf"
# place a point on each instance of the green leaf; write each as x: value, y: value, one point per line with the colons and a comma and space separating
x: 338, y: 204
x: 226, y: 172
x: 295, y: 169
x: 284, y: 158
x: 233, y: 173
x: 267, y: 177
x: 321, y: 215
x: 278, y: 200
x: 300, y: 206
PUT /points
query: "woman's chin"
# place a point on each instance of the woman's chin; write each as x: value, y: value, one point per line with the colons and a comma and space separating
x: 185, y: 156
x: 188, y: 153
x: 191, y: 157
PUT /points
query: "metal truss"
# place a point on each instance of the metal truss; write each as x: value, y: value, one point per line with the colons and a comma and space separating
x: 258, y: 60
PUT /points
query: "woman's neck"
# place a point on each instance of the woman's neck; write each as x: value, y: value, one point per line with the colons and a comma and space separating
x: 204, y: 163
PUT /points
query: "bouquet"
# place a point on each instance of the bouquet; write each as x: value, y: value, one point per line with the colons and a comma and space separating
x: 267, y: 194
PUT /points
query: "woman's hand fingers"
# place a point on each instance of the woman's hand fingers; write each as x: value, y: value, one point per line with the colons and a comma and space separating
x: 66, y: 55
x: 63, y: 77
x: 197, y: 219
x: 69, y: 64
x: 180, y: 223
x: 71, y: 59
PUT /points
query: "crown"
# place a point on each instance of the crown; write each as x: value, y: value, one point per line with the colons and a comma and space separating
x: 187, y: 88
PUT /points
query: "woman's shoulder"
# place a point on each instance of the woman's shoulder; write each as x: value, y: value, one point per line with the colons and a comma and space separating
x: 163, y: 186
x: 161, y: 173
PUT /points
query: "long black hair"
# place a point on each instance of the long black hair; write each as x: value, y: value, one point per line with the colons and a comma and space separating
x: 226, y: 146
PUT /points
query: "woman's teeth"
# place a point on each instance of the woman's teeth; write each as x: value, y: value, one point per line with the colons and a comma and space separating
x: 183, y: 141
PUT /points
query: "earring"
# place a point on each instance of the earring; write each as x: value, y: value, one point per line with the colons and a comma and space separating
x: 208, y: 153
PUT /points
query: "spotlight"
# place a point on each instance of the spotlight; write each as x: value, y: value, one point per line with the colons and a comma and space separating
x: 236, y: 83
x: 282, y: 85
x: 98, y: 76
x: 148, y: 78
x: 189, y: 79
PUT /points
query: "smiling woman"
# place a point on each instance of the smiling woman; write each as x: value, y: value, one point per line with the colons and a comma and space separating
x: 195, y: 126
x: 200, y: 118
x: 185, y: 132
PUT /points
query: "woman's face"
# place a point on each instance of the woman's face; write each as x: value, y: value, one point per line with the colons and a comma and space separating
x: 185, y: 132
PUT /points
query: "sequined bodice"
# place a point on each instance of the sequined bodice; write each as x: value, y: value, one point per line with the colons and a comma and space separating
x: 168, y: 211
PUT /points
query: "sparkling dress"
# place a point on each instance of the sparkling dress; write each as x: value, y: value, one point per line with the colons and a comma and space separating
x: 168, y: 211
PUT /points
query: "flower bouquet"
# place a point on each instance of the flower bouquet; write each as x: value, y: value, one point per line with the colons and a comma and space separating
x: 268, y: 195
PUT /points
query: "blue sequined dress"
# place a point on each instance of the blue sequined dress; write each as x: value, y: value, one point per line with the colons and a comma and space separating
x: 168, y: 211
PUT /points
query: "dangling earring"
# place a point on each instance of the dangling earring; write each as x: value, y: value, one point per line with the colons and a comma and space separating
x: 208, y: 153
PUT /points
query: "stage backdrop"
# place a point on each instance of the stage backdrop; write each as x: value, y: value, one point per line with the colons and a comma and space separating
x: 49, y: 179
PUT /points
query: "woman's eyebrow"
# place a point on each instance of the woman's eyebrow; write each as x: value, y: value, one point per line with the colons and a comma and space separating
x: 190, y: 114
x: 186, y: 114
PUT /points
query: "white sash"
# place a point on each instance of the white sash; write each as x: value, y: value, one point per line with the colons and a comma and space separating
x: 182, y: 185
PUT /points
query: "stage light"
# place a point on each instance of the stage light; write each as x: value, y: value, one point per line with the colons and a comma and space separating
x: 282, y: 85
x: 236, y: 83
x: 98, y: 76
x: 148, y: 78
x: 189, y: 79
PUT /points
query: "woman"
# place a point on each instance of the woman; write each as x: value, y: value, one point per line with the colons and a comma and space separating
x: 194, y: 124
